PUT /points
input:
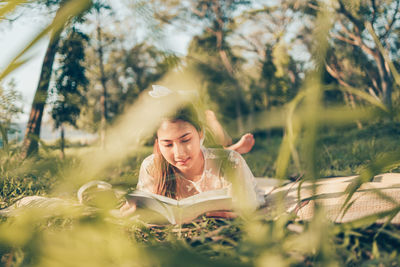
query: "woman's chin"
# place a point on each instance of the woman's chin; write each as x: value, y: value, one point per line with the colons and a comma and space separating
x: 183, y: 167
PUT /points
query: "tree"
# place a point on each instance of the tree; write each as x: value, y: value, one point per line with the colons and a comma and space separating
x: 10, y: 109
x: 100, y: 46
x: 218, y: 16
x: 128, y: 68
x: 71, y: 82
x: 354, y: 59
x: 215, y: 18
x: 65, y: 13
x: 278, y: 81
x: 265, y: 35
x: 203, y: 56
x: 365, y: 56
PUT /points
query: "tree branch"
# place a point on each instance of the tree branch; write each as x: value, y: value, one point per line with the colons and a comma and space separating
x: 201, y: 13
x: 344, y: 39
x: 349, y: 33
x: 390, y: 25
x: 356, y: 40
x: 374, y: 9
x: 344, y: 11
x: 335, y: 74
x: 256, y: 49
x: 211, y: 31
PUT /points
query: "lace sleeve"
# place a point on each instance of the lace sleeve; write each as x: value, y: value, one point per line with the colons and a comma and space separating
x: 245, y: 194
x: 146, y: 181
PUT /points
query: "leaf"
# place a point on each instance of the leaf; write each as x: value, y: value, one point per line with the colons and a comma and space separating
x: 13, y: 66
x: 379, y: 165
x: 384, y: 53
x: 365, y: 221
x: 71, y: 9
x: 287, y: 147
x: 365, y: 96
x: 10, y: 7
x: 375, y: 250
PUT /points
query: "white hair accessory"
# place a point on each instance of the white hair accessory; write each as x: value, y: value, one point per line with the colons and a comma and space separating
x: 159, y: 91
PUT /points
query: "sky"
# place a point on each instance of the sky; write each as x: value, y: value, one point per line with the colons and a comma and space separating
x: 12, y: 40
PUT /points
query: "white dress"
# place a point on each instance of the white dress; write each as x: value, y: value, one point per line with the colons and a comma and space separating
x: 222, y: 169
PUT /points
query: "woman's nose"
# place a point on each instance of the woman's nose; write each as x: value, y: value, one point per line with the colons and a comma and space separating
x: 179, y: 151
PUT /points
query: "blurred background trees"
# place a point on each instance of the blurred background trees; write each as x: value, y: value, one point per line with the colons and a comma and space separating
x: 66, y: 11
x: 10, y: 109
x: 70, y: 83
x: 252, y: 56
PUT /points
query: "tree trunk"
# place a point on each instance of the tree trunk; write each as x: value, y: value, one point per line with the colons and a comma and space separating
x: 386, y: 82
x: 32, y: 132
x: 62, y: 142
x: 3, y: 130
x: 103, y: 98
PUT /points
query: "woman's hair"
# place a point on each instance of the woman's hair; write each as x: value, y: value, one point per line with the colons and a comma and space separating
x: 165, y: 173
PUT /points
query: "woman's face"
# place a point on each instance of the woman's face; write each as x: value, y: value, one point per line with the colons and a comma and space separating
x: 179, y: 143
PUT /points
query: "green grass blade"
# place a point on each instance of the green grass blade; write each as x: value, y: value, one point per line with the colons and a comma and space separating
x: 10, y: 7
x: 66, y: 12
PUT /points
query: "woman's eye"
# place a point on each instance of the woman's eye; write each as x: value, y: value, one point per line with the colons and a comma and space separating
x: 185, y: 141
x: 168, y: 145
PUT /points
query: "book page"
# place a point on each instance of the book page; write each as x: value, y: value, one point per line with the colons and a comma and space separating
x: 184, y: 210
x: 148, y: 201
x: 186, y: 213
x: 203, y: 196
x: 138, y: 193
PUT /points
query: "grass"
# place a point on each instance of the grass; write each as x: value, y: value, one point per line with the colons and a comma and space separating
x: 206, y: 241
x: 342, y: 151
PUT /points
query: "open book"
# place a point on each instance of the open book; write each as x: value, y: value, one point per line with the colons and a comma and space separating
x: 158, y: 209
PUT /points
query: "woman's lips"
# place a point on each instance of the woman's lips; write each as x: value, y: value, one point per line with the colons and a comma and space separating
x: 182, y: 162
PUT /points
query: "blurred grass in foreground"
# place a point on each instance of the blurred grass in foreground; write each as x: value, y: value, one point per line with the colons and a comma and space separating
x: 73, y: 237
x: 209, y: 241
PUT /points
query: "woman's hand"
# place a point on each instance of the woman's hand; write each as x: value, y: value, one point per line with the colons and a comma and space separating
x: 222, y: 214
x: 128, y: 208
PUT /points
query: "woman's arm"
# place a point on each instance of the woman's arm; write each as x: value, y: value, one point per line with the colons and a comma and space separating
x: 145, y: 183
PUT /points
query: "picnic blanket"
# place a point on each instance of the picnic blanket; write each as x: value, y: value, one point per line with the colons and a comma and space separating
x: 379, y: 197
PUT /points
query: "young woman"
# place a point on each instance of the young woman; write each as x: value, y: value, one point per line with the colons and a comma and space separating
x: 181, y: 166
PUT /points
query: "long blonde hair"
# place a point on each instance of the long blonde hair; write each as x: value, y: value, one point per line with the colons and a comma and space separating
x: 165, y: 173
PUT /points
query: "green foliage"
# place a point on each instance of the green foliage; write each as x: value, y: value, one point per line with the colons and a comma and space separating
x: 222, y: 88
x: 277, y: 83
x: 10, y: 109
x: 71, y: 81
x: 24, y: 178
x: 129, y: 71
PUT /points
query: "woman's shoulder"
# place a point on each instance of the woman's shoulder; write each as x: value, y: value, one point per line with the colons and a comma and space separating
x: 148, y: 161
x: 215, y: 153
x: 222, y: 154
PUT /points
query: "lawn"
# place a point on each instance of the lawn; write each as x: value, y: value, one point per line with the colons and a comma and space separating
x: 98, y: 240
